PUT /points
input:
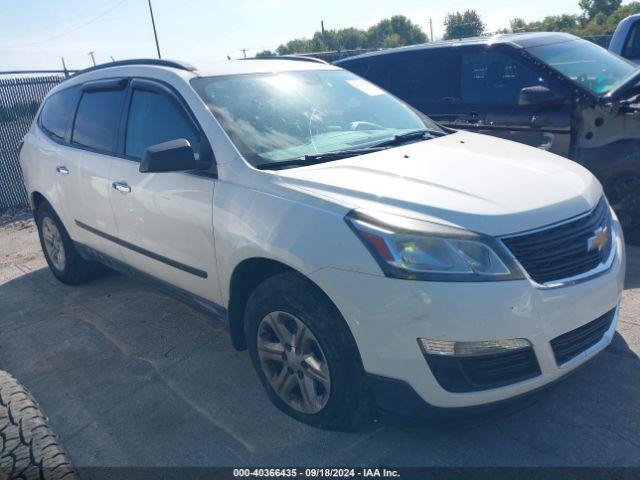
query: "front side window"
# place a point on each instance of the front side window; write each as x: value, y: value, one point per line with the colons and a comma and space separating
x: 154, y: 118
x: 494, y: 77
x: 285, y: 116
x: 97, y: 120
x: 585, y: 63
x: 57, y: 111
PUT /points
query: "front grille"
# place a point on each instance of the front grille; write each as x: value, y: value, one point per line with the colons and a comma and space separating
x: 573, y: 343
x: 481, y: 372
x: 562, y: 251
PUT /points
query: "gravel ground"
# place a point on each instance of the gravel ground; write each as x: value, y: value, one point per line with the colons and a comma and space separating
x: 130, y: 377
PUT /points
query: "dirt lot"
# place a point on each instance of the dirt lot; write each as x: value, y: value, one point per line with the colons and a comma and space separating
x: 130, y: 377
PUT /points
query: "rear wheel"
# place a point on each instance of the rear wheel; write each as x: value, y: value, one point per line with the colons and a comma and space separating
x: 59, y: 251
x: 305, y: 355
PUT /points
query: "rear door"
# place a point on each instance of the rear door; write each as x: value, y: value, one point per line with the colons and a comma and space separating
x: 488, y: 82
x: 94, y: 140
x: 424, y: 79
x: 164, y: 219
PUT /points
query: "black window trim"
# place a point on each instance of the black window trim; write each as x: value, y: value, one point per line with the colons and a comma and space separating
x: 69, y: 126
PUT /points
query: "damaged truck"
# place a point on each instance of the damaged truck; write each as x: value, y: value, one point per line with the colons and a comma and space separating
x: 553, y: 91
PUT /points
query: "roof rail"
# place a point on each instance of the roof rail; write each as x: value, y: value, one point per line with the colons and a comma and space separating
x: 139, y: 61
x: 299, y: 58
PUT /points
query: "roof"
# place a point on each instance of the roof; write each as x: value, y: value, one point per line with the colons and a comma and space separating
x: 224, y: 67
x: 516, y: 40
x: 269, y: 65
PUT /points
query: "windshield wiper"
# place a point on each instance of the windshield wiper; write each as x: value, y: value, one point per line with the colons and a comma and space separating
x: 414, y: 135
x: 316, y: 158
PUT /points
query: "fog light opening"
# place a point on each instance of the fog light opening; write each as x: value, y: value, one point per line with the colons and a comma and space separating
x: 471, y: 349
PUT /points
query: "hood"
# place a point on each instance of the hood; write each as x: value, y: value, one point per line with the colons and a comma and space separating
x: 477, y: 182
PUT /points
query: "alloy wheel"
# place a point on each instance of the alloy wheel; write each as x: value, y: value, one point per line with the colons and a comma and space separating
x: 53, y: 243
x: 293, y: 362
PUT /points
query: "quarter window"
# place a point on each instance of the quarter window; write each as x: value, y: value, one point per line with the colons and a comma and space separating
x: 57, y: 111
x: 154, y: 118
x: 632, y: 45
x: 493, y: 77
x: 98, y: 119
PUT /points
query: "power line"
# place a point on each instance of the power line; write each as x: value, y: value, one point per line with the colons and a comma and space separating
x: 63, y: 34
x: 155, y: 34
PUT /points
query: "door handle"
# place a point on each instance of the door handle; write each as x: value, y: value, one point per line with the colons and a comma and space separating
x: 121, y: 187
x: 62, y: 169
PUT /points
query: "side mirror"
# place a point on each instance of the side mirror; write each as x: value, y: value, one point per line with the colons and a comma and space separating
x: 539, y: 96
x: 173, y: 156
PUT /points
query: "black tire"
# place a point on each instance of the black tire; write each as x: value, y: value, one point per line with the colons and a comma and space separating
x: 76, y: 269
x: 28, y: 447
x: 622, y: 187
x: 349, y: 404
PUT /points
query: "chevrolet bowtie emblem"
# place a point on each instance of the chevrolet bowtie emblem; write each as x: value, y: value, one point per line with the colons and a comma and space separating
x: 599, y: 240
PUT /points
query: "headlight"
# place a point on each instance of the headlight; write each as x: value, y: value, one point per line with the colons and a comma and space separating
x: 416, y: 250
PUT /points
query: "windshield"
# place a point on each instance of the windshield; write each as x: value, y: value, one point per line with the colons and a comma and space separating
x: 277, y: 117
x: 585, y: 63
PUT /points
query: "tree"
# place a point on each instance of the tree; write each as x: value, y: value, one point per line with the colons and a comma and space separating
x: 397, y: 31
x: 518, y: 25
x: 390, y: 32
x: 265, y: 53
x: 461, y: 25
x: 591, y: 8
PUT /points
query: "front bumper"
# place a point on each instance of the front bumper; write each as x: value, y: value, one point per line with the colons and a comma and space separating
x: 387, y: 316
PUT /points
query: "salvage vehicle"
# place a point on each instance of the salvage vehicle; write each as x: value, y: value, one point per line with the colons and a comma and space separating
x: 366, y: 257
x: 626, y: 39
x: 553, y: 91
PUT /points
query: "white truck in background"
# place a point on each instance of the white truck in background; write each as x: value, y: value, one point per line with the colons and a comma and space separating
x: 626, y: 39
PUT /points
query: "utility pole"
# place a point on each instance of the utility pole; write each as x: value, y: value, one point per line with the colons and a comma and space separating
x: 155, y: 34
x: 431, y: 28
x: 64, y: 67
x: 244, y: 53
x: 93, y: 59
x: 322, y: 27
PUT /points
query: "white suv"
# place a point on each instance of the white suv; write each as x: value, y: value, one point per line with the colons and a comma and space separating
x: 364, y: 255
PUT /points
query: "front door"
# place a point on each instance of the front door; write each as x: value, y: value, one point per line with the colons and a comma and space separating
x: 164, y: 219
x: 489, y: 82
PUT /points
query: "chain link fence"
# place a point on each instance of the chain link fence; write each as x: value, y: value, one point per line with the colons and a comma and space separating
x: 20, y: 96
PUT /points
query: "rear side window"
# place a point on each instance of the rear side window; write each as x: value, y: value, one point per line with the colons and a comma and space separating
x: 57, y: 111
x: 494, y: 77
x: 97, y: 120
x: 155, y: 118
x: 420, y: 79
x: 632, y: 44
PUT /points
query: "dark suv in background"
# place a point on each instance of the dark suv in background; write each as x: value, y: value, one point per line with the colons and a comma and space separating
x: 550, y: 90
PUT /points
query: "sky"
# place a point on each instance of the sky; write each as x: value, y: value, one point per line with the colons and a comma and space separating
x: 36, y: 34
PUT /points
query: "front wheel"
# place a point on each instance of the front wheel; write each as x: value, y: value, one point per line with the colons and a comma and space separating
x: 305, y: 355
x: 61, y: 255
